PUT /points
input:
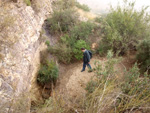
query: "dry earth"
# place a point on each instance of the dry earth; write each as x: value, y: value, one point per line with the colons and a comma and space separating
x: 72, y: 82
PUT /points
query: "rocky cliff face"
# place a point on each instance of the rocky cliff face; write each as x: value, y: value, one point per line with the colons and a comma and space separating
x: 20, y: 48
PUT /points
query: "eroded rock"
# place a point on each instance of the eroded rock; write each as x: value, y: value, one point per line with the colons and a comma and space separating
x: 20, y: 48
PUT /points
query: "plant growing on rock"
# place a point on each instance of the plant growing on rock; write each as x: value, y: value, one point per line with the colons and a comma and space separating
x: 48, y: 73
x: 28, y: 2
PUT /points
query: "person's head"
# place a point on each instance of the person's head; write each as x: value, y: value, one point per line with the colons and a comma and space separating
x: 83, y: 49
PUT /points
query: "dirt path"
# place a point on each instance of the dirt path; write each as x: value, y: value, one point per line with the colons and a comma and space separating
x: 72, y: 82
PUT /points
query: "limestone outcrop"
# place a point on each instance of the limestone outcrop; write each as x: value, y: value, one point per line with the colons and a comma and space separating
x: 20, y: 47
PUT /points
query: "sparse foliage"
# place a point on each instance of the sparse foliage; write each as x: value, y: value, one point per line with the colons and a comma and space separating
x: 82, y: 6
x: 123, y: 27
x: 128, y: 95
x: 143, y: 55
x: 62, y: 52
x: 64, y: 16
x: 82, y: 30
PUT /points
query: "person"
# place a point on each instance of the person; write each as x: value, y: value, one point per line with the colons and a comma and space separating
x: 86, y: 60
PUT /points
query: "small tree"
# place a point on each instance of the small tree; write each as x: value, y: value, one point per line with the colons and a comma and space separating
x: 77, y: 48
x: 143, y: 55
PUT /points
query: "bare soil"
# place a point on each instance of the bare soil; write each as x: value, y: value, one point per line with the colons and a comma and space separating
x: 72, y: 82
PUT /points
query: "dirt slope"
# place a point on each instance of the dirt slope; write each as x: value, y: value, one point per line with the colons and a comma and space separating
x: 72, y: 81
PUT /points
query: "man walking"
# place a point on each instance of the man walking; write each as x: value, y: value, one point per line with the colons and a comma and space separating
x: 86, y: 60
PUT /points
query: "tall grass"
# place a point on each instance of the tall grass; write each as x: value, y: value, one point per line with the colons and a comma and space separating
x: 107, y: 92
x: 113, y: 95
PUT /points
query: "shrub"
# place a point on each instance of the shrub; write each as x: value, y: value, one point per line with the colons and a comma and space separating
x: 91, y: 86
x: 67, y: 40
x: 123, y: 27
x: 28, y: 2
x: 63, y: 4
x: 136, y: 91
x: 82, y: 30
x: 98, y: 19
x: 82, y: 6
x: 108, y: 89
x: 64, y: 16
x: 143, y: 55
x: 62, y: 52
x: 48, y: 73
x: 131, y: 79
x: 103, y: 49
x: 77, y: 49
x: 47, y: 43
x: 62, y: 20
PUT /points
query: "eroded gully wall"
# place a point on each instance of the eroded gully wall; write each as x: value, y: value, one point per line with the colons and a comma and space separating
x: 21, y: 57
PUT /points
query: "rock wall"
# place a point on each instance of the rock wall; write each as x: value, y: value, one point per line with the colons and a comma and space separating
x: 20, y: 50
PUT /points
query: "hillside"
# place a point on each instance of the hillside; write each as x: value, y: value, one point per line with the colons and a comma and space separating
x: 41, y: 58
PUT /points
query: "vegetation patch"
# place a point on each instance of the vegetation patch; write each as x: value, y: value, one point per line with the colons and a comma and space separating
x: 28, y: 2
x: 77, y: 49
x: 82, y: 6
x: 123, y: 27
x: 48, y: 73
x: 82, y: 30
x: 107, y: 89
x: 143, y: 55
x: 63, y: 18
x: 74, y: 33
x: 62, y: 52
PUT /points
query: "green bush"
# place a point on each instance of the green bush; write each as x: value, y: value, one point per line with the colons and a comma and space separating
x: 135, y: 89
x: 123, y: 27
x: 47, y: 43
x: 28, y: 2
x: 48, y: 73
x: 68, y: 49
x: 91, y: 86
x: 62, y: 20
x: 98, y: 19
x: 131, y: 80
x: 77, y: 49
x: 64, y: 16
x: 103, y: 49
x: 67, y: 40
x: 109, y: 89
x: 62, y: 52
x: 82, y: 30
x: 143, y: 55
x: 82, y: 6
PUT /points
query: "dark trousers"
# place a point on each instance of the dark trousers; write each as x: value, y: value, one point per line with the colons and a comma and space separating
x: 84, y: 66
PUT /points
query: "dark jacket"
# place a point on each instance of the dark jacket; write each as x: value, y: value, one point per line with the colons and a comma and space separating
x: 86, y: 57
